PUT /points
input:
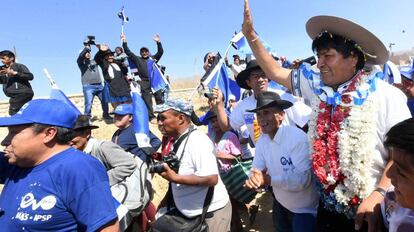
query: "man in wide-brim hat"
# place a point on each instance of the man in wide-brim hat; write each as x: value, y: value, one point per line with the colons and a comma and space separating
x: 352, y: 111
x: 282, y: 161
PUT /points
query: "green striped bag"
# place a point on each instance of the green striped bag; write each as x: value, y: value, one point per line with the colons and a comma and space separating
x: 234, y: 180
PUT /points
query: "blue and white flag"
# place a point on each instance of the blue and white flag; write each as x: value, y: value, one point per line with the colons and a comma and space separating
x: 140, y: 118
x: 157, y: 79
x: 122, y: 16
x: 240, y: 43
x: 58, y: 94
x: 132, y: 66
x: 220, y: 78
x: 391, y: 73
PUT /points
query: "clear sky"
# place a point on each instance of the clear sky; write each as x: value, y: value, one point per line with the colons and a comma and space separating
x: 49, y: 33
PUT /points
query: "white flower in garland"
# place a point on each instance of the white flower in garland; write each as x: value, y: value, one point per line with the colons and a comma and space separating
x: 356, y: 144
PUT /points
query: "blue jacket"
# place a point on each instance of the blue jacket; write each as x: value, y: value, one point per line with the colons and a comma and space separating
x: 126, y: 140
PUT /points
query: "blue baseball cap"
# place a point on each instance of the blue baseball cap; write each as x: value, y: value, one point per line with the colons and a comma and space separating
x: 44, y: 111
x: 123, y: 109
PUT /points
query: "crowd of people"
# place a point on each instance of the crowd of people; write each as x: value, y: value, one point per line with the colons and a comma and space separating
x: 334, y: 148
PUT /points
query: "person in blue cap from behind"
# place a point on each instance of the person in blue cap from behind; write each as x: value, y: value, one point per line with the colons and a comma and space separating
x: 125, y: 135
x: 47, y: 184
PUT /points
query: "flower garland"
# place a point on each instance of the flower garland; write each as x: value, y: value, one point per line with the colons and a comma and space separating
x: 335, y: 133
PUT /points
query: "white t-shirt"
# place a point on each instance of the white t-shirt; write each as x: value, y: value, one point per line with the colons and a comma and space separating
x: 287, y: 160
x: 392, y: 110
x: 239, y: 116
x: 198, y: 159
x: 236, y: 69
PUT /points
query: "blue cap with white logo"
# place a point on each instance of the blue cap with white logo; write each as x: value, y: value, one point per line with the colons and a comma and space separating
x: 43, y: 111
x: 123, y: 109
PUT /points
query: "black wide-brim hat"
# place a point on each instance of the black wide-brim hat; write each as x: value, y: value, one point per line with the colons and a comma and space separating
x: 269, y: 99
x: 84, y: 121
x: 245, y: 74
x: 374, y: 49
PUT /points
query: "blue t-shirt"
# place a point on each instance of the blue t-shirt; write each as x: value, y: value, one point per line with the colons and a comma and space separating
x: 67, y: 192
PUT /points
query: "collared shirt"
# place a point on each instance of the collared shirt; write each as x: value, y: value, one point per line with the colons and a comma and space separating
x: 392, y: 109
x: 287, y: 160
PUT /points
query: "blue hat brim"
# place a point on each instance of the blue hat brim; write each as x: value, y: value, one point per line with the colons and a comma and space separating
x: 13, y: 121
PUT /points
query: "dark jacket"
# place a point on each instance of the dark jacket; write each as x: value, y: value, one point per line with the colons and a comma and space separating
x: 19, y: 83
x: 140, y: 62
x: 118, y: 86
x: 89, y: 69
x: 126, y: 140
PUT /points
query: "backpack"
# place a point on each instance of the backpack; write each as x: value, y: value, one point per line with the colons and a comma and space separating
x: 135, y: 191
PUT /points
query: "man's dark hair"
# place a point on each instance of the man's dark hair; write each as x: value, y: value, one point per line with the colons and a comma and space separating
x: 63, y: 135
x: 401, y: 136
x: 342, y: 45
x: 144, y: 49
x: 7, y: 53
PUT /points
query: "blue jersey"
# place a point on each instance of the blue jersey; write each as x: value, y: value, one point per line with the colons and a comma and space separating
x: 67, y: 192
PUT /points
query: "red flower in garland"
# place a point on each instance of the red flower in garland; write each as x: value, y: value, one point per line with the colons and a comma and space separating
x: 325, y: 145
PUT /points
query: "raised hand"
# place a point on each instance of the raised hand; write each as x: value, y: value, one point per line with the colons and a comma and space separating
x: 123, y: 38
x: 156, y: 38
x: 247, y: 26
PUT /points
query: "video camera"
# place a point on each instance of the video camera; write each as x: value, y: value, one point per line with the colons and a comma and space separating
x: 90, y: 40
x: 171, y: 159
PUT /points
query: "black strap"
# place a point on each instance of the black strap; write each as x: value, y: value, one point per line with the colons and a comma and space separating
x: 206, y: 204
x: 180, y: 140
x: 207, y: 201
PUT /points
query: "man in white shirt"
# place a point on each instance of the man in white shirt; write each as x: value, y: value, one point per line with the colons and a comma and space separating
x: 282, y: 161
x: 197, y: 167
x: 237, y: 66
x: 352, y: 111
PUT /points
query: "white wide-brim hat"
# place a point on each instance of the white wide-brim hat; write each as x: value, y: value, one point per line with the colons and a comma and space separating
x: 374, y: 50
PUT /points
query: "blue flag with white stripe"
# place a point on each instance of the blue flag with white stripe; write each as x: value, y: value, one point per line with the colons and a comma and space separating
x: 157, y: 79
x: 122, y: 16
x: 240, y: 43
x: 58, y: 94
x: 391, y: 74
x: 140, y: 118
x: 220, y: 78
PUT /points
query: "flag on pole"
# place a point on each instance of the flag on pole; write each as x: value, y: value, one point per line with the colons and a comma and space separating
x: 157, y: 79
x: 57, y: 93
x: 220, y: 78
x: 140, y: 118
x: 122, y: 16
x: 240, y: 43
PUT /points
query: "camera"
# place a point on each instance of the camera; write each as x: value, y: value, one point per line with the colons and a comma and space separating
x: 172, y: 161
x: 90, y: 40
